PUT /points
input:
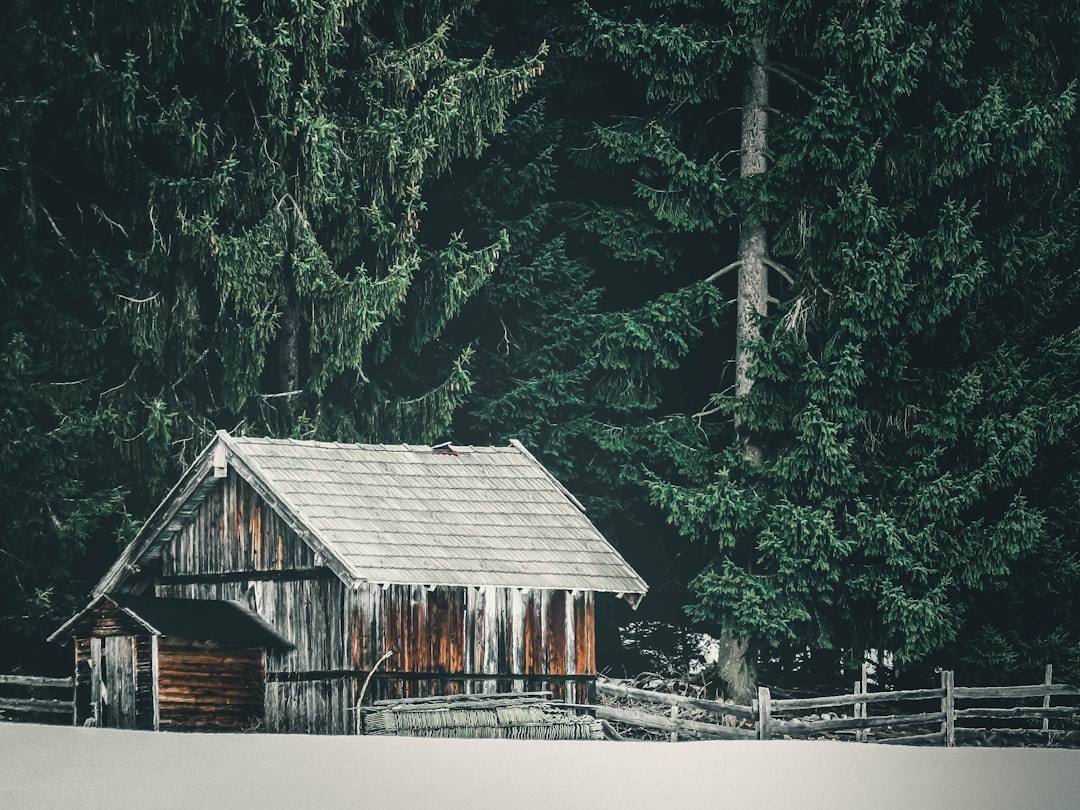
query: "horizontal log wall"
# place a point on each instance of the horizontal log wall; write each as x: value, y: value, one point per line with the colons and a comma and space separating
x: 209, y: 687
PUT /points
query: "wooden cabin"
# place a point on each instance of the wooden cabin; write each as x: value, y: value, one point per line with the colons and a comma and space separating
x: 472, y: 566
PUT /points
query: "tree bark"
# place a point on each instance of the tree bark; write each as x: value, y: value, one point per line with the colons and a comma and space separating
x: 735, y: 666
x: 753, y: 289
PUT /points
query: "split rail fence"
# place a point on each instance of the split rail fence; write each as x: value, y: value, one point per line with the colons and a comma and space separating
x: 29, y: 698
x: 941, y: 716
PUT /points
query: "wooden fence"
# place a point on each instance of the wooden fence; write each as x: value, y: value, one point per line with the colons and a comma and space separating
x: 33, y: 699
x: 941, y: 716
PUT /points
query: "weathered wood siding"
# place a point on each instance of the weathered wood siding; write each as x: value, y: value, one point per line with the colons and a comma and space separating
x: 84, y: 695
x: 445, y: 639
x: 449, y: 640
x: 235, y: 530
x: 236, y: 533
x: 114, y: 681
x: 208, y: 687
x: 317, y: 705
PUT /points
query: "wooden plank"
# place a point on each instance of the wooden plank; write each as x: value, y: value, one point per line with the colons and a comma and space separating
x: 35, y: 705
x: 505, y: 698
x: 863, y: 706
x: 795, y: 704
x: 1048, y: 680
x: 1025, y: 712
x: 937, y: 737
x: 667, y: 725
x: 534, y: 633
x: 35, y: 680
x: 607, y: 687
x: 800, y: 728
x: 493, y: 618
x: 1006, y: 692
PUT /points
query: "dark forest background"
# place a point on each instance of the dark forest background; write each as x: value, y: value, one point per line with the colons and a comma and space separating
x: 418, y: 221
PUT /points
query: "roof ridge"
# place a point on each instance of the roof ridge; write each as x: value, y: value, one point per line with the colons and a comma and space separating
x: 387, y: 446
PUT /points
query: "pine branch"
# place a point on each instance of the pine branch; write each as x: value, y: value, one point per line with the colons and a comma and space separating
x: 723, y: 270
x: 779, y: 268
x: 771, y: 68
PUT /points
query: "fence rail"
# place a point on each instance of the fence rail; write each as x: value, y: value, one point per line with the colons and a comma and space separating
x: 22, y: 699
x: 911, y: 713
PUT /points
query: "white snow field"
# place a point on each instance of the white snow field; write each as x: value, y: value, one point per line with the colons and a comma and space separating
x: 63, y: 767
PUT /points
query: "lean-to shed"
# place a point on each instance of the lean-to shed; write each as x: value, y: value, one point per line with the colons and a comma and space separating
x: 472, y: 565
x: 143, y: 662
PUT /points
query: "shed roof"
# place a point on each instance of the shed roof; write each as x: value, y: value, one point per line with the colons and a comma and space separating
x: 191, y: 619
x: 409, y: 514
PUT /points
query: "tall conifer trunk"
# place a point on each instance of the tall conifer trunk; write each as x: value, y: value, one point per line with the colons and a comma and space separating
x: 753, y: 274
x: 736, y: 666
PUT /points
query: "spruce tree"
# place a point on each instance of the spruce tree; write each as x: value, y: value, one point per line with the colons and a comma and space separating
x: 903, y: 401
x: 217, y: 212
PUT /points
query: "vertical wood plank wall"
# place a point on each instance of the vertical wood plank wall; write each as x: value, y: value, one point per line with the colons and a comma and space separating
x: 84, y: 677
x: 505, y: 633
x: 235, y: 530
x: 125, y: 663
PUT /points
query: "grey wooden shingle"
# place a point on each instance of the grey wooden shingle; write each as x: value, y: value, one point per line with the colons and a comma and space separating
x: 408, y: 514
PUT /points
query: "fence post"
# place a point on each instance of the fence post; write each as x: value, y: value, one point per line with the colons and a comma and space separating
x: 764, y: 702
x: 674, y: 716
x: 859, y: 711
x: 1048, y: 680
x: 948, y: 708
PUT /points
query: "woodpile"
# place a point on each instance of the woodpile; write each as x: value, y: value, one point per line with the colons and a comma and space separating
x: 515, y: 716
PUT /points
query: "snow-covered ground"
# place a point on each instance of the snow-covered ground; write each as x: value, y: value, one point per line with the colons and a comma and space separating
x: 49, y: 766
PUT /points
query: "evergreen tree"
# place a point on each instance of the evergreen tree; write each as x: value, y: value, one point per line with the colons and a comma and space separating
x: 55, y: 488
x: 908, y: 387
x: 216, y: 217
x: 581, y: 325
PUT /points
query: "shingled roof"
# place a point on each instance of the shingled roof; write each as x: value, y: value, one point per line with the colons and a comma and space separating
x: 408, y: 514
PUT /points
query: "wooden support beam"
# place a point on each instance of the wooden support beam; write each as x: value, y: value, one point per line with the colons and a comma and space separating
x: 293, y: 575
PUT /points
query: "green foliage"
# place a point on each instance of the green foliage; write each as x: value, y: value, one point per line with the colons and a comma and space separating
x: 915, y: 380
x: 214, y: 221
